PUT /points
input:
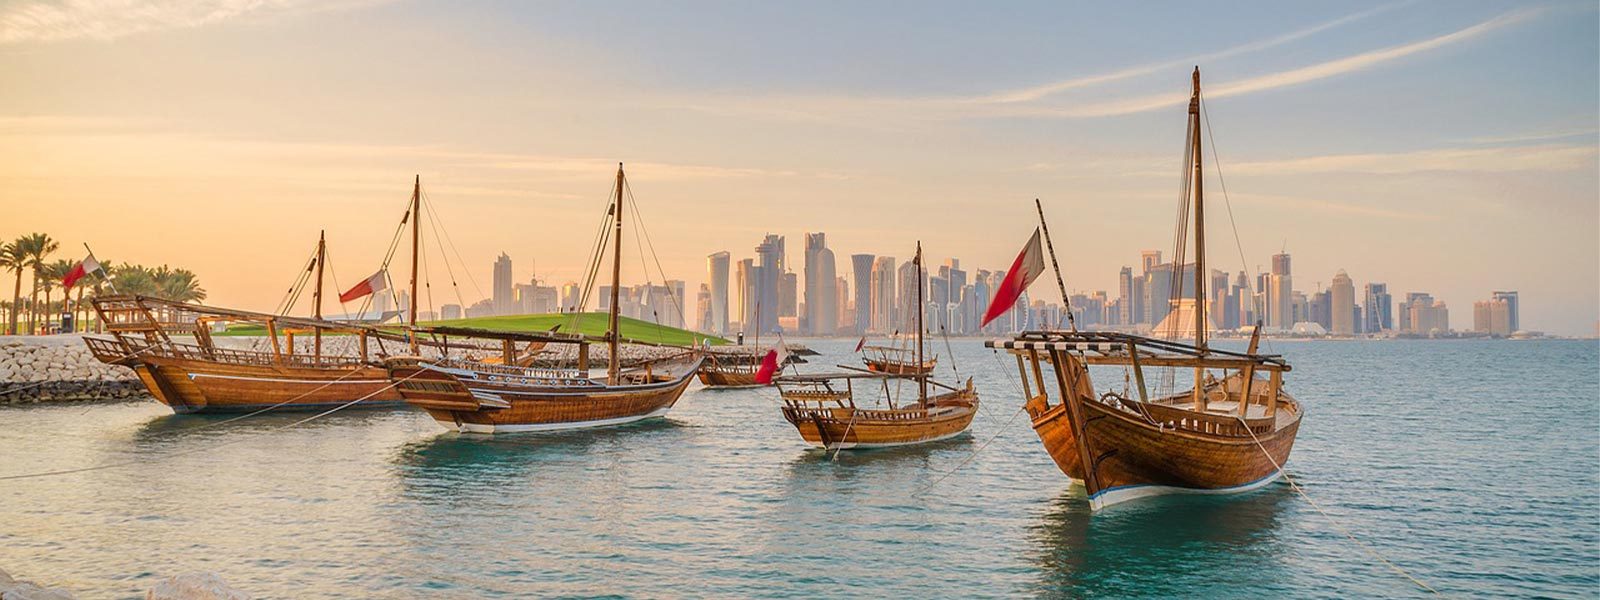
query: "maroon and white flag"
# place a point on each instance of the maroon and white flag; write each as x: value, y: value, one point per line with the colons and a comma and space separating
x: 371, y: 285
x: 772, y: 363
x: 82, y: 269
x: 1028, y: 266
x: 861, y: 344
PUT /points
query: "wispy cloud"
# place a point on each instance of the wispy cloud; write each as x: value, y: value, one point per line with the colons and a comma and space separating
x: 1037, y: 92
x: 1292, y: 77
x: 1300, y: 204
x: 1548, y: 136
x: 1543, y: 158
x: 45, y: 21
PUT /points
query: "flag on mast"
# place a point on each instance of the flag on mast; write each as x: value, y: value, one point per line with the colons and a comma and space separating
x: 772, y: 362
x: 79, y: 271
x: 1028, y: 266
x: 371, y: 285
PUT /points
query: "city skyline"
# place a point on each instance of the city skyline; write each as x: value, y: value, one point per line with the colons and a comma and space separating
x: 1449, y: 148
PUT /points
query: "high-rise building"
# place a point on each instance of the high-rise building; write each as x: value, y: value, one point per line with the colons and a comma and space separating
x: 769, y: 257
x: 1376, y: 309
x: 717, y: 287
x: 883, y: 295
x: 571, y: 297
x: 906, y: 291
x: 822, y: 310
x: 1421, y: 314
x: 1492, y: 316
x: 788, y: 294
x: 1158, y: 294
x: 1280, y: 293
x: 1344, y: 304
x: 747, y: 278
x: 450, y: 312
x: 702, y: 309
x: 845, y: 322
x: 504, y: 298
x: 1321, y: 309
x: 1149, y: 259
x: 861, y: 266
x: 1513, y: 315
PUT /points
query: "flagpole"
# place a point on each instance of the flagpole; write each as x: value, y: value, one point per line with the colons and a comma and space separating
x: 1065, y: 303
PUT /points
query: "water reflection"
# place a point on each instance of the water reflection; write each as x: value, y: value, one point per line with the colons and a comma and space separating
x: 488, y: 459
x: 174, y: 428
x: 1165, y: 546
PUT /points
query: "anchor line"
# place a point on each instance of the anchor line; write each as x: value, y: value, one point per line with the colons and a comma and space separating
x: 212, y: 447
x: 1369, y: 549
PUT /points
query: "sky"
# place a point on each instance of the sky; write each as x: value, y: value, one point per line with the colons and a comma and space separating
x: 1438, y: 146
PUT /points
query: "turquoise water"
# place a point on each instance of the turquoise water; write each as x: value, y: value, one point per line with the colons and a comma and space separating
x: 1472, y: 465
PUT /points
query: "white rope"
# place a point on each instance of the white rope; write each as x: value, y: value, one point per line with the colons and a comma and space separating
x: 214, y: 447
x: 1290, y: 480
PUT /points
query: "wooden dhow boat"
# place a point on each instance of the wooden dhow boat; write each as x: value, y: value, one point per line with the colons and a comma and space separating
x: 897, y: 361
x: 823, y: 407
x: 475, y: 396
x: 1232, y: 432
x: 203, y: 377
x: 730, y: 370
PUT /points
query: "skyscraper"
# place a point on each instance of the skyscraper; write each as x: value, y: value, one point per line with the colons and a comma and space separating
x: 504, y: 300
x: 1378, y: 308
x: 747, y: 279
x: 1513, y: 315
x: 769, y: 256
x: 861, y: 272
x: 1149, y: 259
x: 1344, y: 304
x: 717, y: 288
x: 822, y: 311
x: 883, y: 295
x: 1280, y: 293
x: 907, y: 292
x: 702, y: 309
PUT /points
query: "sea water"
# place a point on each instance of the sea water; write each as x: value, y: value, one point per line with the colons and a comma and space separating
x: 1471, y: 465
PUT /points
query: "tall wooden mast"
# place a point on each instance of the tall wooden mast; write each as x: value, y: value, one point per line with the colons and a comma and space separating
x: 1198, y: 181
x: 922, y: 377
x: 416, y: 239
x: 613, y: 331
x: 322, y: 256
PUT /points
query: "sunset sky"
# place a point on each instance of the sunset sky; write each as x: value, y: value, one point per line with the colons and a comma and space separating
x: 1446, y: 147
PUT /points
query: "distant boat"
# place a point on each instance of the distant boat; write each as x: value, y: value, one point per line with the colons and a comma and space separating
x: 823, y: 408
x: 897, y: 361
x: 730, y: 370
x: 477, y: 396
x: 203, y: 377
x: 1227, y: 434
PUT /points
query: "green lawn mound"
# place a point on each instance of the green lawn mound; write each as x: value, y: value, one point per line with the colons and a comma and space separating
x: 593, y: 323
x: 585, y: 323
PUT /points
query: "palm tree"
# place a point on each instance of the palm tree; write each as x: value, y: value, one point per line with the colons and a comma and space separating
x: 54, y: 275
x: 180, y: 285
x: 12, y: 259
x: 134, y: 279
x: 35, y: 247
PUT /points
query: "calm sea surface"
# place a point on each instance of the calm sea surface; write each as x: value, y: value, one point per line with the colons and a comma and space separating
x: 1473, y: 465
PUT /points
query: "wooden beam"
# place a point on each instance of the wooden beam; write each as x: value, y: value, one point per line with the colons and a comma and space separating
x: 1067, y: 380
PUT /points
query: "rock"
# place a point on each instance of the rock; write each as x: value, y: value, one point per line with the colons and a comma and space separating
x: 194, y: 586
x: 11, y: 589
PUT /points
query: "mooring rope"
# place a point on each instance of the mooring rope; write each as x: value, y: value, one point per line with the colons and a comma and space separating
x: 1370, y: 550
x: 216, y: 446
x: 1003, y: 427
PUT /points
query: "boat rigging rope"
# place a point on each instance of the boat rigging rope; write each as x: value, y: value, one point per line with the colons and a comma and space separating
x: 1003, y: 427
x: 216, y: 446
x: 645, y: 233
x: 1369, y: 549
x: 1216, y: 160
x: 438, y: 224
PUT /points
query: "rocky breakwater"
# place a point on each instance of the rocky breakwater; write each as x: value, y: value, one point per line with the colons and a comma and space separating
x: 59, y: 368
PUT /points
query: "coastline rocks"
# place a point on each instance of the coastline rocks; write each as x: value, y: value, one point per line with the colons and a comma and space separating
x: 59, y: 368
x: 194, y: 586
x: 26, y: 590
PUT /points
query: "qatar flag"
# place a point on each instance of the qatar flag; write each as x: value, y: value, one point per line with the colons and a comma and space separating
x: 772, y: 363
x: 1023, y: 271
x: 83, y: 268
x: 371, y: 285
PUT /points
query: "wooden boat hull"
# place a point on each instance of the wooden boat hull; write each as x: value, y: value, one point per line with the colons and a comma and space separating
x: 843, y: 428
x: 1133, y: 458
x: 714, y: 377
x: 898, y: 368
x: 461, y: 404
x: 196, y: 387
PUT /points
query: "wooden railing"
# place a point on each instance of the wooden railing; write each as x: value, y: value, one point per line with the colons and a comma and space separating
x: 1177, y: 418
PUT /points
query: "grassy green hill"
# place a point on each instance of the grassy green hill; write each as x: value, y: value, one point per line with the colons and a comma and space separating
x: 586, y: 323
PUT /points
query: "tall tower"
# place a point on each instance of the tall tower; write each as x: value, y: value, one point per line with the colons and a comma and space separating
x: 1343, y: 304
x: 861, y: 274
x: 1280, y: 293
x: 822, y: 312
x: 504, y: 300
x: 717, y: 282
x: 883, y: 295
x: 1513, y: 317
x: 769, y: 257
